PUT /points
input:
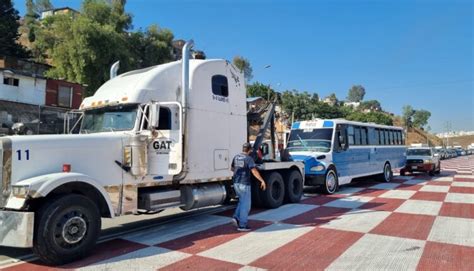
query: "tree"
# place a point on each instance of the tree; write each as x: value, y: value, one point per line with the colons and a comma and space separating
x: 372, y: 105
x: 258, y: 89
x: 244, y: 66
x: 83, y: 48
x: 42, y: 5
x: 151, y: 47
x: 375, y: 117
x: 356, y: 93
x: 407, y: 114
x: 420, y: 118
x: 9, y: 31
x: 120, y: 19
x: 326, y: 111
x: 30, y: 20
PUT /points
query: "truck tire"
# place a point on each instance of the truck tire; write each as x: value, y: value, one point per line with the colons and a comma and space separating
x: 66, y: 229
x: 387, y: 173
x: 274, y: 195
x: 331, y: 182
x: 256, y: 194
x: 293, y: 186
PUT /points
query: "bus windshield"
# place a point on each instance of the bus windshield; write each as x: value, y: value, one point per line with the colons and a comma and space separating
x: 112, y: 118
x: 310, y: 140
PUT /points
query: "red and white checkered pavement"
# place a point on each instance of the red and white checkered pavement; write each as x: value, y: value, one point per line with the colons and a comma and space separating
x: 415, y: 222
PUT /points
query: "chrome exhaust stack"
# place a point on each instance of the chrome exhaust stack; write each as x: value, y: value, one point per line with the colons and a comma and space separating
x: 113, y: 69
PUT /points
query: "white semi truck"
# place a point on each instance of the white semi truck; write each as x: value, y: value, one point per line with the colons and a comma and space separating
x: 149, y: 139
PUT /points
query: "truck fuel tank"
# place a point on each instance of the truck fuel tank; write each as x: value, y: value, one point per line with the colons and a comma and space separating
x: 196, y: 196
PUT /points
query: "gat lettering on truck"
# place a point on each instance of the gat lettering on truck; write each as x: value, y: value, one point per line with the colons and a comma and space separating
x: 149, y: 139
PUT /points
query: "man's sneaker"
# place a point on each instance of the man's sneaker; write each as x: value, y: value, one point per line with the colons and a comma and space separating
x: 235, y: 222
x: 243, y: 229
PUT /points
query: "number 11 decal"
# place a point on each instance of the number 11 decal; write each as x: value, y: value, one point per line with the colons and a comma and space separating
x: 27, y: 154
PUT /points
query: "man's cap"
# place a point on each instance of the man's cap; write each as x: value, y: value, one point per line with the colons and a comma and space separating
x: 246, y: 145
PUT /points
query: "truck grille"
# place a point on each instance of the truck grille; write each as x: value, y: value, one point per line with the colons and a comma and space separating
x: 414, y: 161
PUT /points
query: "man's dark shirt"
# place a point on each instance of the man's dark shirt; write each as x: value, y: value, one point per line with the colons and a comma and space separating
x: 242, y: 165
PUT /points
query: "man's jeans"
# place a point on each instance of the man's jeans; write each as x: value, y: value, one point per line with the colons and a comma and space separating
x: 243, y: 207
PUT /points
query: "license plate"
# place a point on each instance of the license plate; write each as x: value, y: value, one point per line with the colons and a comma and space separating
x: 414, y: 167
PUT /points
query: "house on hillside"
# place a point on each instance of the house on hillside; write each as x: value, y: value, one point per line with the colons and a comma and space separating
x: 352, y: 104
x: 58, y: 11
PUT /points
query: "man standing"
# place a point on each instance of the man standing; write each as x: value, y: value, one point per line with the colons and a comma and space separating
x: 242, y: 166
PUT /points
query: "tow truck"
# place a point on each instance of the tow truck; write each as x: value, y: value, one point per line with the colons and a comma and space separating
x: 149, y: 139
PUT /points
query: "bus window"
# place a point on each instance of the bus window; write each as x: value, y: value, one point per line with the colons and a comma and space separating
x: 377, y: 138
x: 390, y: 137
x: 357, y: 135
x: 387, y: 139
x: 397, y: 133
x: 350, y: 135
x: 363, y: 135
x: 340, y: 143
x: 382, y: 137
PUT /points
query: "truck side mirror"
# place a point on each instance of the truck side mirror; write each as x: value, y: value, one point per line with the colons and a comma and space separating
x: 154, y: 117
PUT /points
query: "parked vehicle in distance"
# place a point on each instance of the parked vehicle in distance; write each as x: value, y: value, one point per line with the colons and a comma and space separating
x: 336, y: 151
x: 453, y: 153
x: 442, y: 153
x: 422, y: 159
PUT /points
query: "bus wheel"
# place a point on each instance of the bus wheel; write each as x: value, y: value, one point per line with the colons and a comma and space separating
x: 66, y: 229
x: 273, y: 196
x: 438, y: 171
x: 331, y: 183
x: 294, y: 186
x: 387, y: 174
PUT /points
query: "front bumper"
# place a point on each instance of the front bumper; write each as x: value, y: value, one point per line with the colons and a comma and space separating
x: 311, y: 180
x: 16, y: 229
x: 419, y: 167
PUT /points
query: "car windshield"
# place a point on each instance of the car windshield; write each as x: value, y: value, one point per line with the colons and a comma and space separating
x: 419, y: 152
x: 313, y: 140
x: 112, y: 118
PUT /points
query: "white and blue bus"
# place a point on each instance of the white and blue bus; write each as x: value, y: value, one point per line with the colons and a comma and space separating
x: 336, y: 151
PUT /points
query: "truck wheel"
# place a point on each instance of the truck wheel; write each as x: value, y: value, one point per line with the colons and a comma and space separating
x: 293, y: 186
x: 66, y: 229
x: 331, y: 182
x: 273, y: 196
x: 387, y: 174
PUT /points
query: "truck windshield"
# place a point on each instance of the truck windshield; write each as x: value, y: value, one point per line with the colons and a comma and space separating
x: 310, y: 140
x: 420, y: 152
x: 112, y: 118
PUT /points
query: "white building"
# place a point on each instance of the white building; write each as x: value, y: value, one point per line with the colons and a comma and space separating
x: 22, y: 88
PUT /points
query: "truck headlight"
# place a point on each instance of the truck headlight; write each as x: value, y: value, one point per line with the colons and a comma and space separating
x: 427, y: 161
x: 317, y: 168
x: 20, y: 191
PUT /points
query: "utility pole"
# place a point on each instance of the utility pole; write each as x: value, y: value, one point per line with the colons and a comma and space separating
x: 448, y: 131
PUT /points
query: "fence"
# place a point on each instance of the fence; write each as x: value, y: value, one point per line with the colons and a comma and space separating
x: 38, y: 119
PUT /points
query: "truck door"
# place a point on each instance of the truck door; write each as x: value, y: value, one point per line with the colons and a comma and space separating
x: 165, y: 151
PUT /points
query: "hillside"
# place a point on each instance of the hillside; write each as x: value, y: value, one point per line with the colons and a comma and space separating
x: 416, y: 135
x: 464, y: 141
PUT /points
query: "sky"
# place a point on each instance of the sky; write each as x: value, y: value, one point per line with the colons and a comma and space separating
x: 418, y: 53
